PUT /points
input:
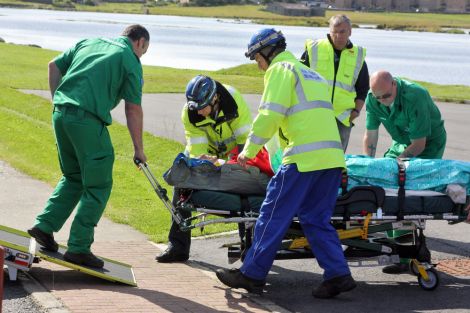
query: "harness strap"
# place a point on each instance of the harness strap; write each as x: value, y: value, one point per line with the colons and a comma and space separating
x: 401, y: 189
x: 344, y: 182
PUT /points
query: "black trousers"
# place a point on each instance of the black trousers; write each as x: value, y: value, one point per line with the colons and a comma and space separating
x: 179, y: 240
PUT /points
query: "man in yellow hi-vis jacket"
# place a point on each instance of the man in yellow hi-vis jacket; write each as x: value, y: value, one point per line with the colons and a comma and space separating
x: 216, y: 120
x: 296, y: 104
x: 343, y: 66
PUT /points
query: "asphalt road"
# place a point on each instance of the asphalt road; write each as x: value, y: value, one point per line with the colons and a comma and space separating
x: 162, y: 117
x: 291, y: 282
x: 16, y: 299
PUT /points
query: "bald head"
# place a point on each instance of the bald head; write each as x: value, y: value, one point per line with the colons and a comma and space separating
x: 383, y: 87
x: 380, y: 78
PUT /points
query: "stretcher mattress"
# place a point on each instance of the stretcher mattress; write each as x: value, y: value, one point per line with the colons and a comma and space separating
x: 413, y: 205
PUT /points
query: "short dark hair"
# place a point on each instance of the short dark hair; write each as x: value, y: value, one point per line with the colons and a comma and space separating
x: 135, y: 32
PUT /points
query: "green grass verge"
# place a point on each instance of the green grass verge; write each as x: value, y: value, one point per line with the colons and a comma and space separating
x: 25, y: 67
x: 27, y: 143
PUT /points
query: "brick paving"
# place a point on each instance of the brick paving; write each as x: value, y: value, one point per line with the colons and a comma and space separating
x: 176, y: 287
x: 455, y: 267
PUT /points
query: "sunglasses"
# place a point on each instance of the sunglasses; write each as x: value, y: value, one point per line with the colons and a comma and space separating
x: 385, y: 96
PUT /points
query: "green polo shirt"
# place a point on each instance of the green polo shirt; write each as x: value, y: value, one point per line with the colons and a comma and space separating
x: 413, y: 115
x: 97, y: 74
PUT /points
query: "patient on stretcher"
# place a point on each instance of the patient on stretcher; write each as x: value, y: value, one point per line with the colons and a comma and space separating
x: 426, y: 185
x: 209, y: 173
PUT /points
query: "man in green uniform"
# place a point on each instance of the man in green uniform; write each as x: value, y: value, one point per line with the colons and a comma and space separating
x: 413, y: 121
x: 87, y: 82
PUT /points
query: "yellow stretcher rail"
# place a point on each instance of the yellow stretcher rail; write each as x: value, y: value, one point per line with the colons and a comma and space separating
x: 342, y: 233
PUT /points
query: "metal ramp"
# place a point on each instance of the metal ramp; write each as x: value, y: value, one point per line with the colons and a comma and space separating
x: 21, y: 251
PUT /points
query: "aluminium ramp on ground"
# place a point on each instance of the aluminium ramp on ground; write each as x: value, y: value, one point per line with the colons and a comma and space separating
x: 112, y: 270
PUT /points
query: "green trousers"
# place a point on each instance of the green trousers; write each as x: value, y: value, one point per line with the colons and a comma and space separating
x: 86, y: 158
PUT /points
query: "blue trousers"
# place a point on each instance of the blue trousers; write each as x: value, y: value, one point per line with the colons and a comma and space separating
x: 311, y: 196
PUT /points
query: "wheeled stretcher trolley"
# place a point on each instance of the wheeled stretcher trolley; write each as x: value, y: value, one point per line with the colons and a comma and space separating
x: 363, y: 215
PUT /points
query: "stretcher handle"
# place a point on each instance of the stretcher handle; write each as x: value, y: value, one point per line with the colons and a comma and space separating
x: 161, y: 192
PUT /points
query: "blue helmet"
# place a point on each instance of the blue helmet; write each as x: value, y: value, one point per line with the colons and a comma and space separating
x: 264, y: 38
x: 200, y: 91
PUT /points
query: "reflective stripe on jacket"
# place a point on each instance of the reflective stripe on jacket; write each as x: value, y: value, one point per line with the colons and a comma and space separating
x: 296, y: 104
x: 218, y: 137
x: 321, y: 58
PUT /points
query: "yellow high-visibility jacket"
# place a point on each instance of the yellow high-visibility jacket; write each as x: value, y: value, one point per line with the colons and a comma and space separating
x: 296, y: 103
x: 218, y: 137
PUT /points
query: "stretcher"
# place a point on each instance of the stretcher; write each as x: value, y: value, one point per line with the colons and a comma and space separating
x: 362, y: 216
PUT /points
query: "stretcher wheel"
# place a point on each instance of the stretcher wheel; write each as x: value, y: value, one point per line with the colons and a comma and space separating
x: 432, y: 282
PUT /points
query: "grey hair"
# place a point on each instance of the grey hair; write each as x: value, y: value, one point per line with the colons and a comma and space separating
x: 339, y: 19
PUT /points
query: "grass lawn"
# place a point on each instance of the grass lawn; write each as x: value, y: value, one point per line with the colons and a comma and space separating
x: 27, y: 143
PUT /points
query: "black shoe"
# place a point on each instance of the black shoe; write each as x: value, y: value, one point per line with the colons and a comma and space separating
x: 396, y: 269
x: 44, y: 239
x: 87, y: 259
x: 172, y: 255
x: 235, y: 279
x: 333, y: 287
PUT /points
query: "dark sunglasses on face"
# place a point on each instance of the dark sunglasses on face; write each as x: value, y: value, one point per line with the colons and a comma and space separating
x: 385, y: 96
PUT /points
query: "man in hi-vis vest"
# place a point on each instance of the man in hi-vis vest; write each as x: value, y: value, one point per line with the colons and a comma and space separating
x: 343, y: 65
x: 216, y: 120
x: 295, y: 105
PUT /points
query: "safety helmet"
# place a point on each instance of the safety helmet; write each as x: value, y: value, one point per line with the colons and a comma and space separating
x: 264, y: 38
x: 200, y: 91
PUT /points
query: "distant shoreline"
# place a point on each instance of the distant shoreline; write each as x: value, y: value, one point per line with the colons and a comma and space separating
x: 427, y: 22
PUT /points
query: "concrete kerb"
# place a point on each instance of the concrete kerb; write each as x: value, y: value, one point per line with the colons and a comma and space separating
x: 42, y: 296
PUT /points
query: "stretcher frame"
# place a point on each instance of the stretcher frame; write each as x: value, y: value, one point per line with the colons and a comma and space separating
x: 363, y: 235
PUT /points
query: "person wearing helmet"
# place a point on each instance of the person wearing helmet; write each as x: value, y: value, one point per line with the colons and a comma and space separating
x: 216, y: 122
x: 296, y: 104
x: 343, y: 65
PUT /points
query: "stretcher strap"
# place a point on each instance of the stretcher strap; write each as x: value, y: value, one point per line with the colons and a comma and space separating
x: 344, y: 182
x: 401, y: 189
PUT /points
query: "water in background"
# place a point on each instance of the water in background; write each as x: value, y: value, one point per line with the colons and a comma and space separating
x: 208, y: 43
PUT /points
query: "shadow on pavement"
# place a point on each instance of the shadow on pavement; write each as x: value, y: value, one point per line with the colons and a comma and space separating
x: 69, y: 280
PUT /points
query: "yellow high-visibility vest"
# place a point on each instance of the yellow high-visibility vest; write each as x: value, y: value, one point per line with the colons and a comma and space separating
x: 321, y: 59
x: 208, y: 137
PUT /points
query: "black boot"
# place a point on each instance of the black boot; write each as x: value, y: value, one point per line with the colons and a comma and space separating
x: 235, y: 279
x: 44, y: 239
x: 87, y: 259
x: 333, y: 287
x: 172, y: 254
